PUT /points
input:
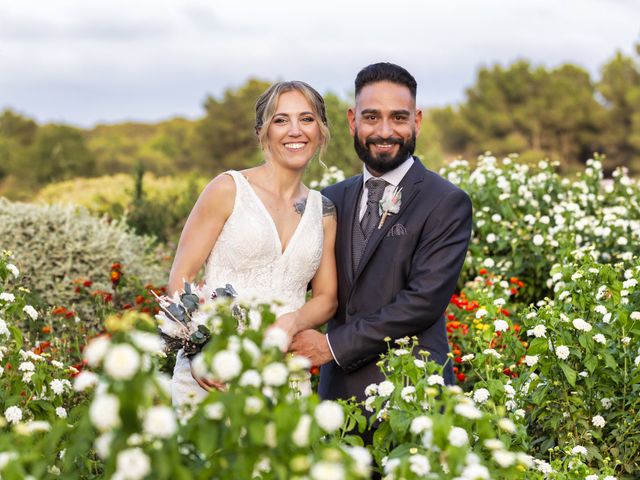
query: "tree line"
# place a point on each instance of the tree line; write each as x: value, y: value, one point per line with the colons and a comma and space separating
x: 560, y: 113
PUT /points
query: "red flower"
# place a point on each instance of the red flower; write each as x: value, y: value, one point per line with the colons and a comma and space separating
x: 87, y: 283
x: 483, y: 271
x: 69, y: 314
x: 59, y: 311
x: 461, y: 377
x: 315, y: 370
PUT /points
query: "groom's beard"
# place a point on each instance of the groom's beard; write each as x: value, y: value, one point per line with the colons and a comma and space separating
x: 384, y: 162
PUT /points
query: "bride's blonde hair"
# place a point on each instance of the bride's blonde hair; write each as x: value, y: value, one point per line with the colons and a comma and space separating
x: 266, y: 109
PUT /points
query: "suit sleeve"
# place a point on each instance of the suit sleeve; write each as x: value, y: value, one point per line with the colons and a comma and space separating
x: 436, y: 265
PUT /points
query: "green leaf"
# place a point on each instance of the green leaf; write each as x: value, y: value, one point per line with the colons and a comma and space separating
x: 17, y: 336
x: 569, y: 372
x: 538, y: 346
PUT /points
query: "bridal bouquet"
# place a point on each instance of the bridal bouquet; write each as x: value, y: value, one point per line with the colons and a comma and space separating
x: 183, y: 324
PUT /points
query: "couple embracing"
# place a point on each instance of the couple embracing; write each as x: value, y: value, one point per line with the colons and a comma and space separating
x: 381, y: 250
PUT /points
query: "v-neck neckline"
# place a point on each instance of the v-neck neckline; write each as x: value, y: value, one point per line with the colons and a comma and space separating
x: 265, y: 210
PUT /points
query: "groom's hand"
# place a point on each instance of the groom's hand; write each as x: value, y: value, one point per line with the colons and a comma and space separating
x: 313, y: 345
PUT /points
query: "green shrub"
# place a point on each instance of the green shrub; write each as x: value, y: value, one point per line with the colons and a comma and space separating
x: 58, y: 244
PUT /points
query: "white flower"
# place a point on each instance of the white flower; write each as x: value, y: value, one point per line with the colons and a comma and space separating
x: 607, y: 317
x: 504, y: 458
x: 214, y: 411
x: 468, y: 357
x: 599, y: 338
x: 632, y: 282
x: 580, y: 324
x: 531, y: 360
x: 625, y: 340
x: 600, y: 309
x: 489, y: 263
x: 121, y: 361
x: 105, y: 412
x: 496, y: 217
x: 562, y: 352
x: 491, y: 351
x: 538, y: 331
x: 493, y: 444
x: 474, y: 471
x: 61, y: 412
x: 13, y: 269
x: 13, y: 414
x: 275, y: 374
x: 501, y: 325
x: 147, y: 342
x: 579, y: 450
x: 250, y: 378
x: 324, y: 470
x: 6, y: 457
x: 598, y: 421
x: 7, y: 297
x: 253, y: 405
x: 362, y: 459
x: 276, y: 337
x: 29, y: 310
x: 57, y: 386
x: 538, y: 240
x: 102, y: 445
x: 160, y: 422
x: 636, y: 361
x: 385, y: 388
x: 542, y: 466
x: 329, y: 416
x: 435, y: 380
x: 481, y: 312
x: 132, y: 464
x: 84, y: 380
x: 507, y: 425
x: 420, y: 424
x: 481, y: 395
x: 635, y: 315
x: 300, y: 435
x: 419, y: 464
x: 408, y: 394
x: 26, y: 367
x: 3, y: 329
x: 491, y: 238
x: 609, y: 477
x: 606, y: 403
x: 371, y: 390
x: 467, y: 410
x: 458, y: 437
x: 95, y: 350
x: 419, y: 363
x: 226, y: 365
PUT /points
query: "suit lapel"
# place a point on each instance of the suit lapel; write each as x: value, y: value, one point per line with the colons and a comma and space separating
x: 350, y: 203
x: 410, y: 187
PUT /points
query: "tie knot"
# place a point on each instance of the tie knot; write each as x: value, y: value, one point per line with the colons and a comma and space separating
x: 376, y: 187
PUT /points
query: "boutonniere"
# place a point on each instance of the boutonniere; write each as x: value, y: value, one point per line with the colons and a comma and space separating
x: 390, y: 203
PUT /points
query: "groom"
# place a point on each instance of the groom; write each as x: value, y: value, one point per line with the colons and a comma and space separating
x: 396, y: 272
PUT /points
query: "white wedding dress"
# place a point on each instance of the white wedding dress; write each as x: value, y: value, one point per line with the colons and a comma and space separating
x: 249, y: 256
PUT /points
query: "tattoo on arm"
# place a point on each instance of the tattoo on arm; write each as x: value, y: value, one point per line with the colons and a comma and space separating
x: 328, y: 208
x: 299, y: 206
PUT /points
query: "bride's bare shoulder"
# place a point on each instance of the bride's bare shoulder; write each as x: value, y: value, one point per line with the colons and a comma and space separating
x: 220, y: 193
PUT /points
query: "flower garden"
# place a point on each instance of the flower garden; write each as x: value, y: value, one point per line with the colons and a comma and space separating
x: 544, y: 334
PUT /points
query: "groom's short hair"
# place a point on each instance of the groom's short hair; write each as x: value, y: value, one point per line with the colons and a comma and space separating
x: 385, y: 72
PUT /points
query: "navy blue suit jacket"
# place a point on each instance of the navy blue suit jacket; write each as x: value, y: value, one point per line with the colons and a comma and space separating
x: 404, y: 281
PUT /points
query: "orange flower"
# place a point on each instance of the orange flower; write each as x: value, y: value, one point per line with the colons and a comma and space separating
x: 59, y: 311
x: 46, y: 329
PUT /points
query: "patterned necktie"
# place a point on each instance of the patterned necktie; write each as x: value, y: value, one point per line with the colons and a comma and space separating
x: 362, y: 229
x: 375, y: 187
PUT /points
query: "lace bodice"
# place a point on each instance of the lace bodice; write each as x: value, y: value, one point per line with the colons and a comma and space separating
x: 249, y: 256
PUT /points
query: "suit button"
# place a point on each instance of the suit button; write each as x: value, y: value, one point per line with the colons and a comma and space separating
x: 351, y: 310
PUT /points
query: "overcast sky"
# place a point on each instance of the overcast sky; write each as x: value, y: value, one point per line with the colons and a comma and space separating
x: 90, y: 61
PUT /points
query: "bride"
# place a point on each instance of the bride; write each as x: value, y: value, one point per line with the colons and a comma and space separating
x: 262, y: 230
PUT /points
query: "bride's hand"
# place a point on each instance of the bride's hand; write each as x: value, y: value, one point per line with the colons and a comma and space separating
x: 207, y: 384
x: 287, y: 323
